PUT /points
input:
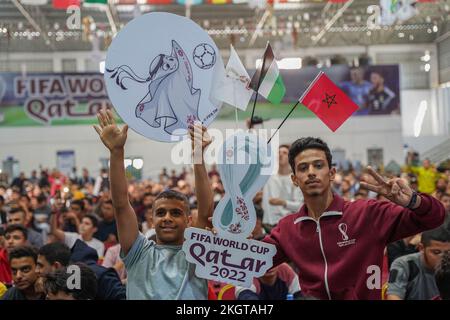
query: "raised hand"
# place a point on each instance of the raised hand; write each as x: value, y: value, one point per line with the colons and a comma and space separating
x: 110, y: 134
x: 396, y: 189
x: 200, y: 139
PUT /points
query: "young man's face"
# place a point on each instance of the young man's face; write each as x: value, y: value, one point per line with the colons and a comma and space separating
x: 15, y: 239
x: 76, y: 208
x: 108, y: 211
x: 170, y: 219
x: 283, y: 156
x: 16, y: 218
x: 23, y: 272
x: 312, y: 173
x: 433, y: 252
x: 43, y: 266
x: 441, y: 185
x: 148, y: 200
x: 446, y: 202
x: 87, y: 227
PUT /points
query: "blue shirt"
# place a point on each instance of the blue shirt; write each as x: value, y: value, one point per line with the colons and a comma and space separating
x: 161, y: 272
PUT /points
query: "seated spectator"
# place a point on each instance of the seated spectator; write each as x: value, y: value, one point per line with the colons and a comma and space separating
x: 18, y: 216
x: 276, y: 284
x: 86, y: 229
x: 107, y: 228
x: 57, y: 288
x: 5, y: 271
x: 16, y: 235
x: 441, y: 187
x: 147, y: 226
x: 110, y: 286
x: 402, y: 248
x: 51, y: 257
x: 411, y: 277
x: 23, y: 265
x: 442, y: 277
x: 445, y: 199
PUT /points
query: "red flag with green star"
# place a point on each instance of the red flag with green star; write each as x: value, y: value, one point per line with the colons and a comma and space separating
x: 328, y: 102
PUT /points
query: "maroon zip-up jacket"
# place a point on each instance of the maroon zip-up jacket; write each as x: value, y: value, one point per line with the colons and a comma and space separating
x: 337, y: 254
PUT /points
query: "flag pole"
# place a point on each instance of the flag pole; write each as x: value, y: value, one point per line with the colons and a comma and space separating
x: 259, y: 84
x: 298, y: 101
x: 284, y: 120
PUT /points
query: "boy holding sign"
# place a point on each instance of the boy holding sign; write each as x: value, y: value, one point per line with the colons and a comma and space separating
x: 156, y: 270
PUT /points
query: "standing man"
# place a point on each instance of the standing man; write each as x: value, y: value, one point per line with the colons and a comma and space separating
x: 335, y: 244
x: 280, y: 196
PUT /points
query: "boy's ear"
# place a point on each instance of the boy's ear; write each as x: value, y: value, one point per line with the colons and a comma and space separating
x: 421, y: 247
x: 332, y: 173
x: 294, y: 180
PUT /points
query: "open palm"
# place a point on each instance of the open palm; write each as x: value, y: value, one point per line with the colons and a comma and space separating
x: 110, y: 134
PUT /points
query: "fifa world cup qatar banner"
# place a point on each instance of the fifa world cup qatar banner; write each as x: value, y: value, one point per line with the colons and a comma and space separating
x: 51, y: 98
x: 39, y: 99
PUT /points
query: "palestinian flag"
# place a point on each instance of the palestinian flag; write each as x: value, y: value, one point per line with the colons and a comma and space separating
x: 95, y: 3
x: 267, y: 79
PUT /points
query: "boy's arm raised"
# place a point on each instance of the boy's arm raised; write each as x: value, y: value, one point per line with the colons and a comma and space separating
x: 114, y: 139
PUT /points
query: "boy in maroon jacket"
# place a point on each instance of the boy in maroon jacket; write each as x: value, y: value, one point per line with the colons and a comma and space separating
x: 338, y: 245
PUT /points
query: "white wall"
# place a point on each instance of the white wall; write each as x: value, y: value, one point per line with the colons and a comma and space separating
x: 34, y: 146
x: 38, y: 146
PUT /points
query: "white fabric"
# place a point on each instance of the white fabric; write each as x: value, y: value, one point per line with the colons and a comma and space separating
x: 280, y: 186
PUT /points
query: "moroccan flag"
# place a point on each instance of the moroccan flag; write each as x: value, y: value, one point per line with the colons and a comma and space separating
x: 328, y: 102
x: 64, y: 4
x: 271, y: 87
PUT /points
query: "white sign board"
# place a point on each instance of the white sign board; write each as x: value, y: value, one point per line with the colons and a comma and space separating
x: 159, y: 72
x: 227, y: 259
x: 244, y: 166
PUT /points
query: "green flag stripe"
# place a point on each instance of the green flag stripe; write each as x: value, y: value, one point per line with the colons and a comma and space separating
x: 278, y: 91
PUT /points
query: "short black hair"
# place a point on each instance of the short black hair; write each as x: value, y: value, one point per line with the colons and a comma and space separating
x: 303, y: 144
x: 93, y: 219
x: 78, y: 203
x: 56, y: 252
x: 23, y: 252
x: 440, y: 234
x: 172, y: 194
x: 442, y: 276
x: 57, y: 281
x: 17, y: 210
x: 17, y: 227
x: 41, y: 198
x: 445, y: 195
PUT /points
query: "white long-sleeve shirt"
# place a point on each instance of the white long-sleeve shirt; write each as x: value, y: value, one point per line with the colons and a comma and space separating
x: 280, y: 186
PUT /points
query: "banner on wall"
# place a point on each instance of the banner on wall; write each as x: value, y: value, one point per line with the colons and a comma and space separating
x: 74, y: 98
x: 51, y: 98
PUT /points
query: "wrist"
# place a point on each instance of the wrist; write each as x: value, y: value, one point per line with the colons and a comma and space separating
x: 117, y: 151
x: 418, y: 202
x: 414, y: 202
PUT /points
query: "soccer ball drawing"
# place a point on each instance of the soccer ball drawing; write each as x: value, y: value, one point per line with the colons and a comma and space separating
x: 204, y: 56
